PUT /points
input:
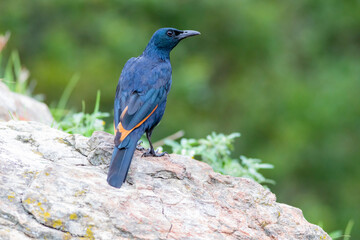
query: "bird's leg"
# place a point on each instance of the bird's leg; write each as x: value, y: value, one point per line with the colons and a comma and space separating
x: 151, y: 152
x: 139, y: 147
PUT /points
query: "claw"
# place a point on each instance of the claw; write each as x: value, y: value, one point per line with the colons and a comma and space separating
x: 157, y: 154
x: 161, y: 154
x: 139, y: 147
x: 146, y: 154
x: 152, y: 153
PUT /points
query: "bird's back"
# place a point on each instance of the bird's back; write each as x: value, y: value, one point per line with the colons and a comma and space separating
x: 144, y: 72
x: 140, y: 75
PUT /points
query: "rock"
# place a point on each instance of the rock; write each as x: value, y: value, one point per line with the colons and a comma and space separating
x: 53, y: 186
x: 22, y: 107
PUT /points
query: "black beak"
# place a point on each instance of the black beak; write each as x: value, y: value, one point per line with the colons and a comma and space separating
x: 187, y: 33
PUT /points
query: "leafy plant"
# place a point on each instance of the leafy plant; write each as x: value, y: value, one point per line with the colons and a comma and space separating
x: 60, y: 110
x: 339, y: 233
x: 84, y: 123
x: 14, y: 75
x: 77, y: 122
x: 216, y: 150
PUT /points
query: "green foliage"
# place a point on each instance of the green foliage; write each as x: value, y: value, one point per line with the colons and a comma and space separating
x: 14, y: 76
x: 84, y: 123
x: 78, y: 122
x: 216, y: 150
x: 59, y: 111
x: 344, y: 235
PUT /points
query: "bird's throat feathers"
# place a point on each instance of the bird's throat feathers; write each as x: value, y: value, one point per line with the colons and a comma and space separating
x: 153, y: 51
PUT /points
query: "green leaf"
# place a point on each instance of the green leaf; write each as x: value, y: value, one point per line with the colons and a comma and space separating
x: 216, y: 150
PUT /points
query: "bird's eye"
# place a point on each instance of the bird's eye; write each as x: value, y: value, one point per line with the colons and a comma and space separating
x: 170, y: 33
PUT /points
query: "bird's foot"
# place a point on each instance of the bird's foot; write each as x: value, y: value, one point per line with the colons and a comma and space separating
x: 139, y: 147
x: 152, y: 153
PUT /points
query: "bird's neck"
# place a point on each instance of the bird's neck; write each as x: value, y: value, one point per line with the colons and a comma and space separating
x: 155, y: 52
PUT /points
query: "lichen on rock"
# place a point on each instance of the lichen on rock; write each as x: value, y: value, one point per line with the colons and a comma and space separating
x: 53, y: 186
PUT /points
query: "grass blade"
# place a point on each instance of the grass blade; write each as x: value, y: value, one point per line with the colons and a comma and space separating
x: 65, y: 96
x: 348, y: 229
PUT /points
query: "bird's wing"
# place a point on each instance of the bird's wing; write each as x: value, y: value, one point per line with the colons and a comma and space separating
x: 121, y: 96
x: 117, y: 107
x: 137, y: 109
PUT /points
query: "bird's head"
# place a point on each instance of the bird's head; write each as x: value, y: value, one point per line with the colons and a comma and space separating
x: 166, y: 39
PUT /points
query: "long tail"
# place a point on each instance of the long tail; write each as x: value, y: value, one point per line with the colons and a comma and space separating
x: 120, y: 163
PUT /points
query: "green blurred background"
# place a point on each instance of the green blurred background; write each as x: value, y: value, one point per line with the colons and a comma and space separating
x: 286, y: 74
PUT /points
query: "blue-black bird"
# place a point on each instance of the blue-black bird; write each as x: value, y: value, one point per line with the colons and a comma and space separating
x: 140, y: 99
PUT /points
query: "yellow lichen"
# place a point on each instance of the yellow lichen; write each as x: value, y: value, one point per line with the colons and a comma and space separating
x: 89, y: 234
x: 30, y: 174
x: 40, y: 211
x: 79, y: 193
x: 73, y: 216
x: 67, y: 236
x: 43, y: 214
x: 38, y: 153
x: 28, y: 200
x: 264, y: 224
x: 57, y: 223
x: 88, y: 217
x: 11, y: 196
x: 61, y: 140
x: 47, y: 174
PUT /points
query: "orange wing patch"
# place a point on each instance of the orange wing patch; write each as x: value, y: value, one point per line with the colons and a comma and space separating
x: 121, y: 117
x: 124, y: 133
x: 123, y: 113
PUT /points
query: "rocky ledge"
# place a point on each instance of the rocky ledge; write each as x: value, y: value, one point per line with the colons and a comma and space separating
x: 53, y: 186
